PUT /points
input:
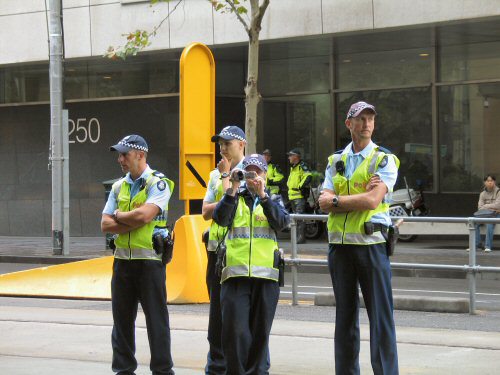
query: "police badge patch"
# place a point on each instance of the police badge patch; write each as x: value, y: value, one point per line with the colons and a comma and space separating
x: 161, y: 185
x: 383, y: 162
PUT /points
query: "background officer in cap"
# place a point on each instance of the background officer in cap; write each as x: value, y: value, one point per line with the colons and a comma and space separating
x: 356, y: 182
x: 274, y: 175
x: 137, y: 209
x: 250, y: 290
x: 298, y: 181
x: 232, y: 143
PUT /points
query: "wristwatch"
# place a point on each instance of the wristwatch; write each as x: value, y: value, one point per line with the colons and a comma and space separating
x: 224, y: 175
x: 335, y: 201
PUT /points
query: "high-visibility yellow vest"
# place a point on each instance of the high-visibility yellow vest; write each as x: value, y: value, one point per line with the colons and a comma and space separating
x: 216, y: 232
x: 297, y: 177
x: 138, y: 243
x: 348, y: 228
x: 250, y: 245
x: 275, y: 176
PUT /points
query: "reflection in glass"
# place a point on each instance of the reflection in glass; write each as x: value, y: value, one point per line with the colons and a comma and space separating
x: 384, y: 68
x: 469, y: 137
x: 465, y: 62
x: 298, y: 122
x: 403, y: 125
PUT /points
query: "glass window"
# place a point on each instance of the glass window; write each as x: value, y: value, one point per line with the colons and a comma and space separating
x: 403, y: 125
x: 24, y: 84
x: 465, y: 62
x: 384, y: 68
x: 135, y: 76
x: 468, y: 133
x: 278, y: 77
x: 302, y: 122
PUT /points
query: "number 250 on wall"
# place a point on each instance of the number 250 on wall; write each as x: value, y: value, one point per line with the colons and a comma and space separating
x: 83, y: 130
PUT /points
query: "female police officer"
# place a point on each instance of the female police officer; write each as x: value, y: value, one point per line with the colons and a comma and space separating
x: 250, y: 290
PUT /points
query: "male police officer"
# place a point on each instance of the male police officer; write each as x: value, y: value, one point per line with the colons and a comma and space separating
x: 356, y: 182
x: 136, y: 210
x: 274, y: 175
x: 299, y: 179
x: 232, y: 143
x: 250, y: 290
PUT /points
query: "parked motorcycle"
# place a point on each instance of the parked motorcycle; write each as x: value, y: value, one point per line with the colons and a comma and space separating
x: 408, y: 202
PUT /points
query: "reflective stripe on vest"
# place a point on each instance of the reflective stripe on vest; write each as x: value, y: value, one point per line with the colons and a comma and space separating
x: 243, y: 270
x: 136, y: 254
x: 355, y: 238
x: 258, y: 232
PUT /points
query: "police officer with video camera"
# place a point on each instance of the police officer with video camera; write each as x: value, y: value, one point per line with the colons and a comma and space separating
x: 250, y: 268
x: 136, y: 211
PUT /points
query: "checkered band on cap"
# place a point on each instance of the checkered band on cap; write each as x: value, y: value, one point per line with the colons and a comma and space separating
x: 131, y: 145
x: 255, y: 159
x: 226, y: 132
x: 358, y: 107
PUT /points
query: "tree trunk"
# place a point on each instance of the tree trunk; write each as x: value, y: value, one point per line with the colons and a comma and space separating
x: 252, y: 96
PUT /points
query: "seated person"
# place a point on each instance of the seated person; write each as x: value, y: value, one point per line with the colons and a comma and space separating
x: 489, y: 199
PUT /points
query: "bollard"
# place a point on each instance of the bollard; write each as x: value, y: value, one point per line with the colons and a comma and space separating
x: 472, y: 264
x: 293, y: 233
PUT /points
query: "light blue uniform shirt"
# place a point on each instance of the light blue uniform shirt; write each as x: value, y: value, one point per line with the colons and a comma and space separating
x: 212, y: 183
x: 156, y: 196
x: 388, y: 174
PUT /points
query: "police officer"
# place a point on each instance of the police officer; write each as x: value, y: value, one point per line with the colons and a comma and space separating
x: 356, y: 182
x: 274, y: 175
x: 232, y: 143
x: 250, y: 290
x: 299, y: 179
x: 136, y: 210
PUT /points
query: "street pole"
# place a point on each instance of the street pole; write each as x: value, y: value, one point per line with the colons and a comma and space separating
x: 56, y: 130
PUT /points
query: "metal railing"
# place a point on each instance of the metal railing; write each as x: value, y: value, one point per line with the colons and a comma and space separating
x: 471, y: 269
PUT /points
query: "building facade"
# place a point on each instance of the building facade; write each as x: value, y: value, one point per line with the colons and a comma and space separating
x: 432, y: 69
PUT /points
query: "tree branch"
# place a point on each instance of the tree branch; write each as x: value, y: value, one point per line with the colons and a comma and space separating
x: 168, y: 15
x: 262, y: 10
x: 235, y: 11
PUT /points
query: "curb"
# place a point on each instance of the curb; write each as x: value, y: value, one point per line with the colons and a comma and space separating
x: 412, y: 303
x: 43, y: 259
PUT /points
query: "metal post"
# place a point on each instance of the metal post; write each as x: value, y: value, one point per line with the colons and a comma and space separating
x: 293, y: 233
x: 56, y: 103
x: 65, y: 140
x: 472, y: 263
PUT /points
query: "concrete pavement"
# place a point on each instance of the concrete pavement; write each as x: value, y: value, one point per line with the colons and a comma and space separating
x: 47, y: 337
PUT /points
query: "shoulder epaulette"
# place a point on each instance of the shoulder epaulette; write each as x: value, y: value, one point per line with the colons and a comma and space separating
x: 384, y: 150
x: 339, y: 151
x: 158, y: 174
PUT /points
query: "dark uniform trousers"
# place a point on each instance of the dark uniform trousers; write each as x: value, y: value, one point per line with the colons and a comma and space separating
x: 369, y: 265
x: 216, y: 364
x: 141, y: 281
x: 248, y: 307
x: 299, y: 207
